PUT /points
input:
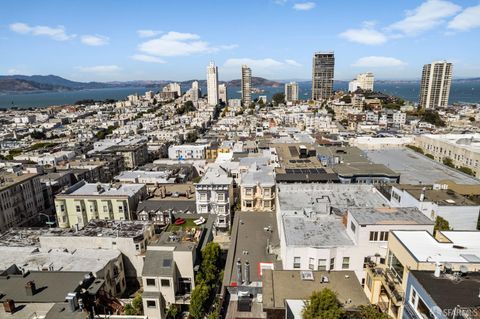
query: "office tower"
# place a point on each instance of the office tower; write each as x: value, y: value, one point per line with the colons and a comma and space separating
x: 195, y: 91
x: 322, y: 75
x: 222, y: 93
x: 246, y: 85
x: 291, y: 92
x: 363, y: 81
x: 212, y: 84
x: 435, y: 85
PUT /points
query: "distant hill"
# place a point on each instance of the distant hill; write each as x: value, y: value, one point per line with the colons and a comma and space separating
x: 256, y: 81
x: 19, y: 85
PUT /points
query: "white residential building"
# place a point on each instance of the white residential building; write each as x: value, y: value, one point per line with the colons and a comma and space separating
x: 435, y: 85
x: 363, y: 81
x: 246, y: 85
x: 187, y: 151
x: 291, y: 92
x: 173, y: 87
x: 214, y: 195
x: 223, y: 93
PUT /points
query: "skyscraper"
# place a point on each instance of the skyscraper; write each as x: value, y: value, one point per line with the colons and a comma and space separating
x: 435, y: 85
x: 212, y: 84
x: 195, y: 91
x: 222, y: 93
x: 291, y: 92
x: 246, y: 85
x: 322, y: 75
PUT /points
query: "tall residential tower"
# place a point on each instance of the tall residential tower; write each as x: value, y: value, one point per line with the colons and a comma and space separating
x: 212, y: 84
x: 291, y: 92
x: 435, y: 85
x: 322, y: 75
x: 246, y: 85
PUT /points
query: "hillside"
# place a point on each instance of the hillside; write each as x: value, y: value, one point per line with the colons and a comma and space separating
x: 18, y: 85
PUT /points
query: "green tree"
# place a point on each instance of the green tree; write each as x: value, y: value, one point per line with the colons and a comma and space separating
x: 369, y: 312
x: 198, y: 300
x: 38, y: 135
x: 136, y: 307
x: 278, y: 98
x: 441, y: 224
x: 191, y: 137
x: 323, y: 305
x: 466, y: 170
x: 448, y: 161
x: 172, y: 312
x: 433, y: 117
x: 210, y: 267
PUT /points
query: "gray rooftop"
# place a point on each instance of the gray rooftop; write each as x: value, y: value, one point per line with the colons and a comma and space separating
x: 215, y: 175
x: 415, y: 168
x: 158, y: 263
x: 390, y: 216
x: 262, y: 175
x: 83, y: 188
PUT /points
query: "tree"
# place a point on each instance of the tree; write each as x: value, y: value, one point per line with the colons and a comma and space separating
x: 38, y: 135
x: 323, y: 305
x: 191, y: 137
x: 448, y: 161
x: 346, y: 99
x: 466, y: 170
x: 278, y: 98
x: 433, y: 117
x: 172, y: 312
x: 471, y: 119
x: 134, y: 308
x: 210, y: 267
x: 441, y: 224
x: 198, y: 300
x: 369, y: 312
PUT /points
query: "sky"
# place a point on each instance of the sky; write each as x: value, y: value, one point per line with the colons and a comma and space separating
x: 120, y: 40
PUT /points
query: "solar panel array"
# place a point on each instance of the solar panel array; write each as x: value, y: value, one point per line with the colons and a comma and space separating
x: 305, y: 171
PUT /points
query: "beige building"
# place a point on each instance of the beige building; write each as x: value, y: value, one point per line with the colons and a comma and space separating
x: 257, y: 186
x: 222, y: 93
x: 87, y: 201
x: 246, y: 85
x: 448, y: 251
x: 291, y: 92
x: 21, y: 199
x: 462, y: 149
x: 435, y: 85
x: 363, y: 81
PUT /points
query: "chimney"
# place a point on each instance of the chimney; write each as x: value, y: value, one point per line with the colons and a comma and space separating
x: 239, y: 272
x: 72, y: 301
x: 246, y: 275
x: 422, y: 195
x: 438, y: 268
x: 30, y: 288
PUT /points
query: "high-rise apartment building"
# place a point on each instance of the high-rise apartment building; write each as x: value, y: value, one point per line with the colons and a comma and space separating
x: 173, y: 87
x: 246, y: 85
x: 195, y: 91
x: 212, y: 84
x: 435, y: 85
x: 222, y: 93
x: 363, y: 81
x: 291, y: 92
x: 322, y: 75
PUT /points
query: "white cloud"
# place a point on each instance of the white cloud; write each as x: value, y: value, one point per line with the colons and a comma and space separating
x: 292, y: 62
x: 304, y: 6
x: 146, y: 33
x: 94, y: 40
x: 56, y: 33
x: 428, y: 15
x: 147, y: 58
x: 179, y: 44
x: 365, y: 35
x: 99, y: 69
x: 378, y: 62
x: 466, y: 20
x: 13, y: 71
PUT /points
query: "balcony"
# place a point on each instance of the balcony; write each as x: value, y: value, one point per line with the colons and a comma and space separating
x: 393, y: 287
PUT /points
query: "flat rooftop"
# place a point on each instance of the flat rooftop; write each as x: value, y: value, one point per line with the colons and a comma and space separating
x: 390, y: 216
x: 8, y: 179
x: 448, y: 292
x: 83, y: 188
x: 469, y: 142
x: 280, y: 285
x: 442, y: 197
x: 37, y: 259
x: 415, y: 168
x: 463, y: 247
x: 252, y: 234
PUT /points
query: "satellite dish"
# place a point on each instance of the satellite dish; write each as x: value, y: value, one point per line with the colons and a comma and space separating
x: 463, y: 269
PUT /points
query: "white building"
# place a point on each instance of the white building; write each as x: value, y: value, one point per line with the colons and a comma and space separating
x: 195, y: 91
x: 291, y: 92
x: 214, y: 195
x: 212, y: 84
x: 435, y: 85
x: 399, y: 118
x: 337, y: 227
x: 246, y: 85
x: 459, y: 211
x: 363, y: 81
x: 173, y: 87
x: 223, y: 93
x: 187, y: 151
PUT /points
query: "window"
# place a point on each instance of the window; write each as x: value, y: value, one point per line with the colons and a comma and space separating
x: 266, y: 203
x: 296, y: 262
x: 165, y: 283
x: 151, y: 304
x: 248, y: 204
x: 203, y: 196
x: 346, y: 263
x: 311, y: 262
x: 78, y: 208
x: 373, y: 235
x: 248, y: 191
x: 120, y: 208
x: 322, y: 264
x: 221, y: 197
x: 150, y: 282
x: 105, y: 209
x: 266, y: 191
x: 379, y: 236
x: 396, y: 266
x: 368, y: 281
x: 352, y: 226
x: 419, y: 305
x: 332, y: 263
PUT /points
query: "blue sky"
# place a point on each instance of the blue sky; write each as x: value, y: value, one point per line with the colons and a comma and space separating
x: 174, y: 40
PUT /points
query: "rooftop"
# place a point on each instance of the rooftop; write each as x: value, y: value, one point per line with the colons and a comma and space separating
x: 8, y: 179
x: 83, y: 188
x: 147, y: 177
x: 469, y: 142
x: 253, y: 235
x: 442, y: 197
x: 280, y: 285
x: 449, y: 292
x: 415, y: 168
x: 461, y: 246
x: 389, y: 216
x: 215, y: 174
